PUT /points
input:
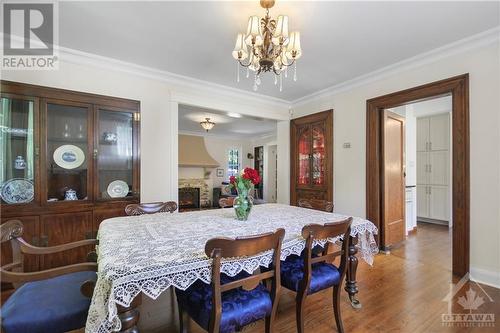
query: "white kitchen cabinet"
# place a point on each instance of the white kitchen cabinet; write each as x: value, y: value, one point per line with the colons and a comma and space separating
x: 422, y: 201
x: 433, y: 167
x: 422, y: 168
x: 423, y: 134
x: 439, y: 132
x: 439, y: 168
x: 439, y: 203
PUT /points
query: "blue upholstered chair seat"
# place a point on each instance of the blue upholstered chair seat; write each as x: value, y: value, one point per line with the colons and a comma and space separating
x: 48, y: 306
x: 323, y: 275
x: 239, y: 307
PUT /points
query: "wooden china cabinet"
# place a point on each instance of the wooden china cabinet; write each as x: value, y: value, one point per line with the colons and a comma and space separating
x: 69, y: 160
x: 311, y: 163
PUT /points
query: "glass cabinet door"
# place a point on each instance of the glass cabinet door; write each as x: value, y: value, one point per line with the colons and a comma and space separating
x: 17, y: 149
x: 67, y: 157
x: 115, y: 162
x: 318, y: 155
x: 304, y: 150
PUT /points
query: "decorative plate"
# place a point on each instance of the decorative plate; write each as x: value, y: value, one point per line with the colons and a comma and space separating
x: 17, y: 190
x: 69, y: 156
x: 118, y: 189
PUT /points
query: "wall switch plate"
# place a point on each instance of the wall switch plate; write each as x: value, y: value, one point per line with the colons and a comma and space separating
x: 347, y: 145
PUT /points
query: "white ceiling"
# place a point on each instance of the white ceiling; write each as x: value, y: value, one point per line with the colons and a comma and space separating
x: 226, y: 126
x: 428, y: 107
x: 340, y: 40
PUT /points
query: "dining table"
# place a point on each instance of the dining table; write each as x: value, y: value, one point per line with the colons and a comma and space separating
x: 147, y: 254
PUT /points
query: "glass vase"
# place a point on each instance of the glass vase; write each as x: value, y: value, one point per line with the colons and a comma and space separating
x: 242, y: 204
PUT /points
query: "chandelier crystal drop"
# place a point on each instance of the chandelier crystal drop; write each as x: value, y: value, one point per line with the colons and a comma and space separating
x: 267, y: 47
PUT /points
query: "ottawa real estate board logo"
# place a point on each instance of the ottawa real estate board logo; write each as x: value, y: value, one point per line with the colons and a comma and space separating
x: 30, y: 35
x: 470, y: 314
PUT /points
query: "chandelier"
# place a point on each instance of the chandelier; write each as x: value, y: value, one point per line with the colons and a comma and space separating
x: 207, y: 124
x: 267, y: 47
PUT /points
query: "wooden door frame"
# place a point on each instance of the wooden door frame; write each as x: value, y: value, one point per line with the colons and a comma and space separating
x: 458, y: 87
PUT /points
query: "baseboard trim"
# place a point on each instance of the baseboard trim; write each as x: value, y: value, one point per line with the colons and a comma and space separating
x: 484, y: 276
x: 412, y: 231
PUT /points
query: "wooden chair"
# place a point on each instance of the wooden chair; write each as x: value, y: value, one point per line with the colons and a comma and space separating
x: 228, y: 304
x: 313, y: 270
x: 151, y: 208
x: 324, y: 205
x: 226, y: 202
x: 52, y: 300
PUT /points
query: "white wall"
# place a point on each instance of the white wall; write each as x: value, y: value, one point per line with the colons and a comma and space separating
x: 270, y: 185
x: 483, y: 65
x: 159, y: 95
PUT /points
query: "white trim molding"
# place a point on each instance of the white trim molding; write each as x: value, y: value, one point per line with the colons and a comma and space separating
x: 472, y: 42
x: 183, y: 87
x: 484, y: 276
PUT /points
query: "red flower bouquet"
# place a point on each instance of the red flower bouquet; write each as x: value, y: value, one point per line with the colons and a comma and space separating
x: 244, y: 183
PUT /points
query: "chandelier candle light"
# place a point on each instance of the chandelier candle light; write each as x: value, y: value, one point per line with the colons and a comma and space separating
x: 267, y: 47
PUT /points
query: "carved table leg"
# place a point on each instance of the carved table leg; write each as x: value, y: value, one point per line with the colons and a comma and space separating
x: 352, y: 265
x: 129, y: 316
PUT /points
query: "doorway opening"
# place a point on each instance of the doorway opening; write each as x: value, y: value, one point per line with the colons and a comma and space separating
x: 426, y: 188
x: 386, y: 182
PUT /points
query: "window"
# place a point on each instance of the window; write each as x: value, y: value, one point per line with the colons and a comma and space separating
x: 233, y: 162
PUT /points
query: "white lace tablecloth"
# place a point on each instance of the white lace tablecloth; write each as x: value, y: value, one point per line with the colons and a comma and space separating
x: 150, y: 253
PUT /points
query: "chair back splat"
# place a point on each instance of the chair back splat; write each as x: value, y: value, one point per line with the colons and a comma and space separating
x: 314, y: 270
x: 253, y: 300
x: 323, y: 205
x: 151, y: 208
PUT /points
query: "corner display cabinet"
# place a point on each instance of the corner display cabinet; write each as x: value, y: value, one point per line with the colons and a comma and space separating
x: 311, y: 147
x: 69, y: 160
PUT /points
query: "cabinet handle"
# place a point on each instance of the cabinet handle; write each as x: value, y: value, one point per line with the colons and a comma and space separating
x: 430, y: 145
x: 37, y: 151
x: 95, y: 153
x: 430, y: 190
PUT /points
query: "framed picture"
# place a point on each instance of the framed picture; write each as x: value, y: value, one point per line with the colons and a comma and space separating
x: 220, y: 172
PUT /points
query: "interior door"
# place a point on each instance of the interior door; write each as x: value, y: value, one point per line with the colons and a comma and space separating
x: 393, y: 179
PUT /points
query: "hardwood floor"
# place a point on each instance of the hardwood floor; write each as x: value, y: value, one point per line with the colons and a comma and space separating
x: 402, y: 292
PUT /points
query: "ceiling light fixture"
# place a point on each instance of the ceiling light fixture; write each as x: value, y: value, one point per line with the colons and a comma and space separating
x: 207, y: 124
x: 268, y: 47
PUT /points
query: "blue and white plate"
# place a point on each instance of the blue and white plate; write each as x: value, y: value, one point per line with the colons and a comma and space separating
x: 69, y: 156
x: 17, y: 190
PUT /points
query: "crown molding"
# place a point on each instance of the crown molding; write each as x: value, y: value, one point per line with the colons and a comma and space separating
x: 469, y: 43
x: 181, y: 85
x: 242, y: 137
x: 176, y: 80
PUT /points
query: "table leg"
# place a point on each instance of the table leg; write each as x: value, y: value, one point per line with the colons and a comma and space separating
x: 129, y: 316
x: 352, y: 265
